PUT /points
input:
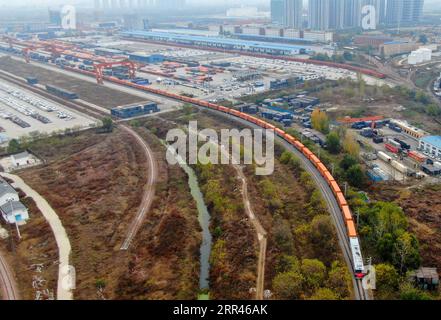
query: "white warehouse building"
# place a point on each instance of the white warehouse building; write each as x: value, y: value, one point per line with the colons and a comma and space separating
x: 431, y: 145
x: 419, y: 56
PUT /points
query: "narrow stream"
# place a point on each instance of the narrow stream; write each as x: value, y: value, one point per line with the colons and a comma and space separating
x: 204, y: 221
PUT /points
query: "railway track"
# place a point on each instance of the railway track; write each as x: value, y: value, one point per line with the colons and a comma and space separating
x: 8, y: 290
x: 326, y: 191
x: 149, y: 194
x: 74, y: 105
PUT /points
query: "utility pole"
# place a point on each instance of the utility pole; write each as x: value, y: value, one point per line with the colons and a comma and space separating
x: 332, y: 169
x: 346, y: 188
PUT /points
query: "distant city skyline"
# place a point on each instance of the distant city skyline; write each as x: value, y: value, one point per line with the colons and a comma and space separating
x: 233, y: 3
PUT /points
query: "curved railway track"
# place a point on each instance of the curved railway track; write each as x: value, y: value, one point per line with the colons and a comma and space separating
x: 149, y: 193
x: 328, y: 195
x: 321, y: 182
x: 8, y: 290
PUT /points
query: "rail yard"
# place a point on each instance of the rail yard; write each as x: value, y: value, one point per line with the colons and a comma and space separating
x: 120, y: 81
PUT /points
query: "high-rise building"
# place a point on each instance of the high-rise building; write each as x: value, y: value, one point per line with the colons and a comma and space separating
x: 404, y: 11
x: 293, y: 13
x: 171, y: 4
x: 277, y: 11
x: 336, y: 14
x: 55, y: 17
x: 319, y: 14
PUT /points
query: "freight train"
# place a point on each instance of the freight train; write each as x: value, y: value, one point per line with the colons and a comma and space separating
x: 351, y: 232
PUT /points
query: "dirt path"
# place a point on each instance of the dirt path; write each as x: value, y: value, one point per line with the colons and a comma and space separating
x: 149, y: 192
x: 8, y: 287
x: 261, y: 233
x: 63, y: 244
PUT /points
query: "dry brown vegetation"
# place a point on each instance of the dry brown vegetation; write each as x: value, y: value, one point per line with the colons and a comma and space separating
x: 96, y: 188
x: 423, y: 208
x: 164, y: 261
x: 285, y: 205
x: 34, y: 256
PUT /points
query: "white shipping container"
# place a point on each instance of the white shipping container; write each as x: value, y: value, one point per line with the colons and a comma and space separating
x: 384, y: 156
x: 400, y: 167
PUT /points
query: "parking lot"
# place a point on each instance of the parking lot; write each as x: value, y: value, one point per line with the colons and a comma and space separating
x: 22, y: 113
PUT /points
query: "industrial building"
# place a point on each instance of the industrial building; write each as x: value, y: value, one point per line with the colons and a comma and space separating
x: 219, y: 43
x: 373, y: 41
x: 431, y: 145
x: 131, y: 110
x: 392, y: 48
x: 410, y: 130
x: 419, y: 56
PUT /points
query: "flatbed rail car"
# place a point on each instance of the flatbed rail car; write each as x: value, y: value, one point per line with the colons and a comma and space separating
x: 351, y: 231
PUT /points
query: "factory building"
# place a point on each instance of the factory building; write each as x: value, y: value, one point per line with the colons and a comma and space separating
x: 396, y: 47
x: 219, y: 43
x: 134, y: 110
x: 431, y: 145
x: 373, y: 41
x: 410, y: 130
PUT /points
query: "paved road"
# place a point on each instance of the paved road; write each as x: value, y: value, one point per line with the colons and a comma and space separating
x: 63, y: 244
x: 149, y: 192
x: 8, y: 287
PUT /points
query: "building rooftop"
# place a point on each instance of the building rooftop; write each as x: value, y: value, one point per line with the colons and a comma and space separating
x: 11, y: 206
x: 226, y: 41
x: 130, y: 105
x: 433, y: 140
x: 21, y: 155
x: 6, y: 188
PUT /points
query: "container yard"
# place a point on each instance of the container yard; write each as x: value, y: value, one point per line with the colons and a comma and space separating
x: 23, y: 112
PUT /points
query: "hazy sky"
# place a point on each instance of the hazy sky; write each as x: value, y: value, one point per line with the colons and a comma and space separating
x: 8, y: 3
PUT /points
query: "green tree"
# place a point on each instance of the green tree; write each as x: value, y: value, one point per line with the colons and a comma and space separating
x: 322, y: 238
x: 314, y: 272
x: 339, y: 279
x: 350, y: 145
x: 286, y: 156
x: 409, y: 292
x: 355, y: 176
x: 14, y: 146
x: 320, y: 121
x: 333, y: 142
x: 287, y: 263
x: 406, y: 254
x: 288, y: 285
x: 347, y: 162
x: 324, y: 294
x: 107, y: 124
x: 283, y: 235
x: 387, y: 280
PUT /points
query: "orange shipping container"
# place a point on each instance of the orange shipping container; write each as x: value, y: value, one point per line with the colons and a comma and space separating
x: 329, y: 178
x: 335, y: 188
x: 346, y: 213
x: 341, y: 199
x: 315, y: 160
x: 352, y: 232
